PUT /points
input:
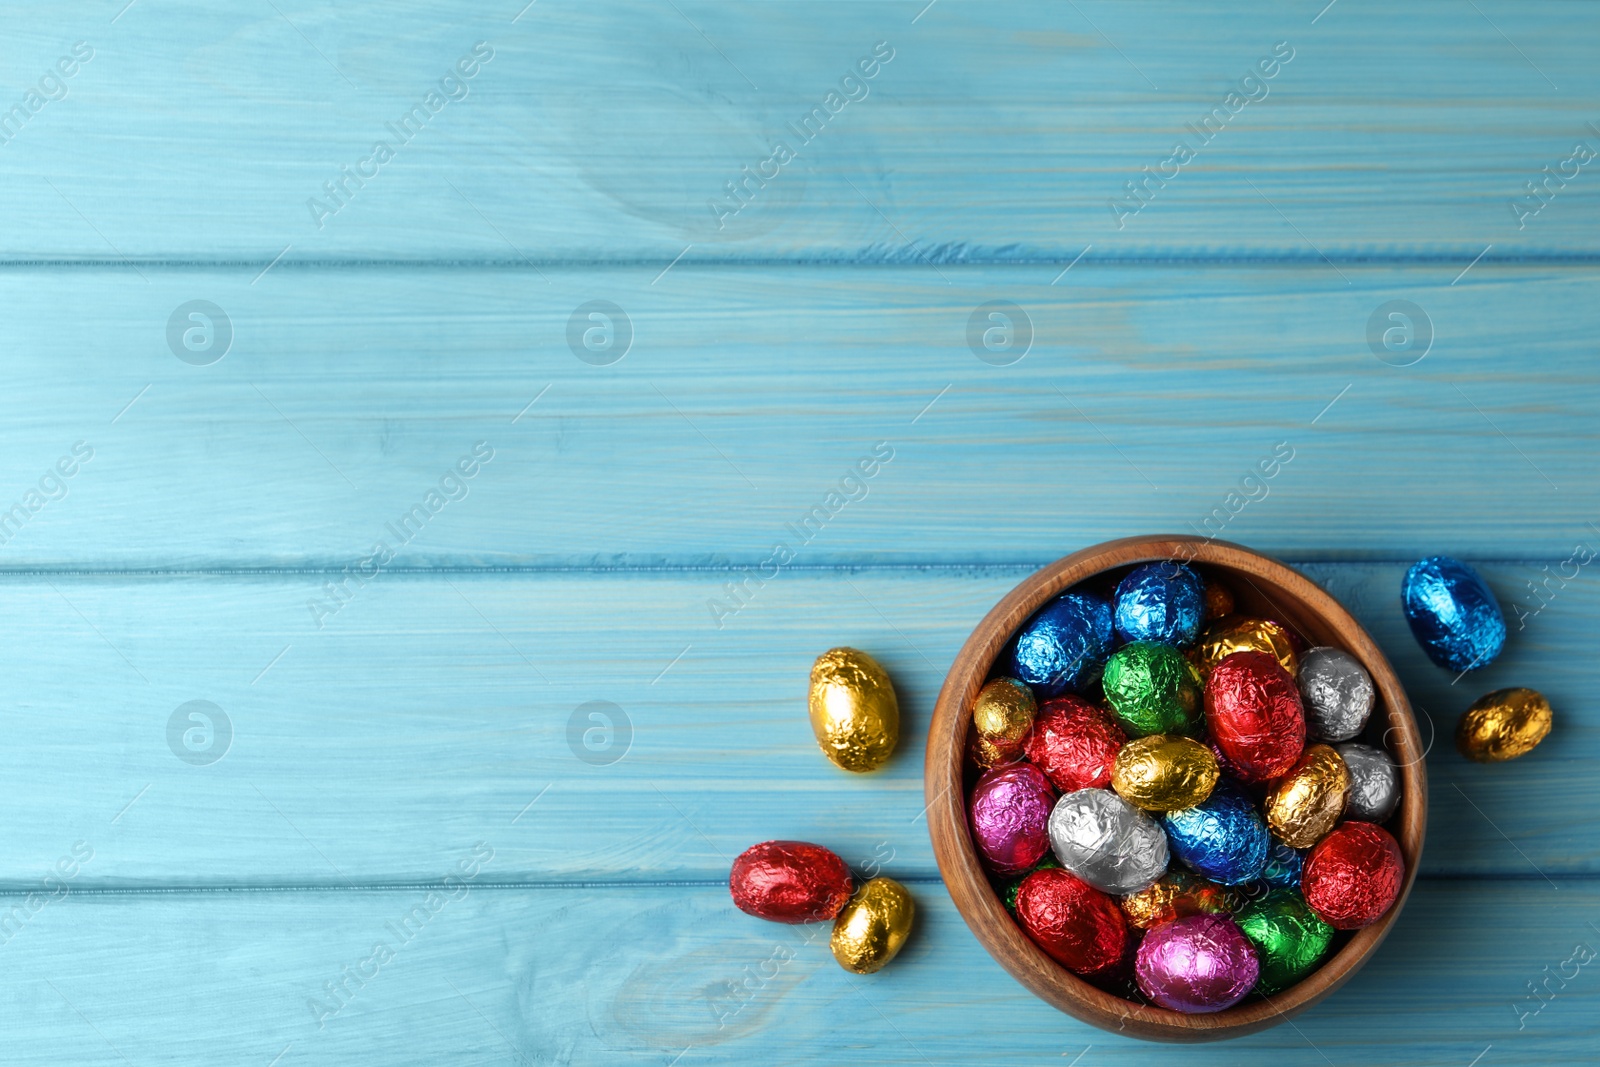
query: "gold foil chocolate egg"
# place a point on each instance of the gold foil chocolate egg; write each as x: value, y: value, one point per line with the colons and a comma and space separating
x: 873, y: 925
x: 1236, y: 633
x: 854, y: 712
x: 1303, y: 805
x: 1003, y: 712
x: 1161, y: 773
x: 1503, y: 725
x: 1219, y: 600
x: 1175, y: 895
x: 985, y: 753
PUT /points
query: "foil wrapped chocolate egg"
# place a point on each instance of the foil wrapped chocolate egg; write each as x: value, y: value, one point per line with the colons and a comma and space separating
x: 1219, y: 600
x: 1161, y: 773
x: 1254, y: 713
x: 1288, y: 937
x: 1239, y: 634
x: 1374, y: 782
x: 1160, y: 602
x: 1284, y: 866
x: 1079, y: 926
x: 1152, y: 689
x: 1064, y: 646
x: 854, y: 713
x: 1175, y: 895
x: 1002, y: 715
x: 1199, y: 964
x: 1010, y: 817
x: 1107, y: 842
x: 789, y: 882
x: 1503, y: 725
x: 1305, y: 803
x: 985, y: 754
x: 1353, y: 876
x: 1008, y: 887
x: 1453, y: 614
x: 1336, y: 692
x: 873, y: 926
x: 1223, y: 839
x: 1075, y: 743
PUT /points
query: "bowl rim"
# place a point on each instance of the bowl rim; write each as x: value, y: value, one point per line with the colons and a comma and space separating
x: 957, y: 856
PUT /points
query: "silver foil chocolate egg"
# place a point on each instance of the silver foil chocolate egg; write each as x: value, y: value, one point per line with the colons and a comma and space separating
x: 1337, y: 693
x: 1374, y: 782
x: 1107, y: 842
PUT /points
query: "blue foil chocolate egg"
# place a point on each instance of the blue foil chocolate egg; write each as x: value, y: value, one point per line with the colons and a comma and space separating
x: 1223, y: 839
x: 1064, y: 646
x: 1162, y: 602
x: 1283, y: 868
x: 1453, y: 614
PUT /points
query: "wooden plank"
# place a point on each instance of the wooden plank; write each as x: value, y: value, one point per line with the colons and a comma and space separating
x: 749, y: 394
x: 646, y: 973
x: 996, y: 131
x: 430, y: 711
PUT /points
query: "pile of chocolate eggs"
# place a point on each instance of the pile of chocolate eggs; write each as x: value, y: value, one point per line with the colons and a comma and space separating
x: 1456, y: 619
x: 798, y: 882
x: 1178, y: 803
x: 855, y: 716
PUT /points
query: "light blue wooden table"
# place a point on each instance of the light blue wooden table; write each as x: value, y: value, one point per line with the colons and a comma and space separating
x: 472, y: 586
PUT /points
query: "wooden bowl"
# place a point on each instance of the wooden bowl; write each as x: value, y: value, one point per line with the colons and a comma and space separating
x: 1261, y: 587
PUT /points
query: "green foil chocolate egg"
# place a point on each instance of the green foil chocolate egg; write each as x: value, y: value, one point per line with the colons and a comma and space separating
x: 1153, y: 689
x: 1290, y: 940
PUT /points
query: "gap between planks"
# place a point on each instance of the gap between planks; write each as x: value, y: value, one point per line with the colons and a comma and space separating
x: 736, y: 564
x: 866, y: 258
x: 8, y: 892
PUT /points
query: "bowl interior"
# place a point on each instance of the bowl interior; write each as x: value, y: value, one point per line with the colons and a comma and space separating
x: 1262, y: 587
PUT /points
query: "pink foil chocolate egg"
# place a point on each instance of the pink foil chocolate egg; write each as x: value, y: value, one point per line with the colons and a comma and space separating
x: 1203, y: 963
x: 1010, y: 817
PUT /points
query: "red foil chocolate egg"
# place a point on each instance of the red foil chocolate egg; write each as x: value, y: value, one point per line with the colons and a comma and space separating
x: 1353, y: 875
x: 1080, y: 927
x: 1254, y: 713
x: 789, y: 882
x: 1074, y: 743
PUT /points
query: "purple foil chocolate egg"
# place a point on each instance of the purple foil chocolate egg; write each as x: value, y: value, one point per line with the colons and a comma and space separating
x: 1202, y: 963
x: 1011, y: 817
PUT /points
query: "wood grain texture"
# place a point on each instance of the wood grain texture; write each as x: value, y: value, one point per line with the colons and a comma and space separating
x: 431, y: 710
x: 639, y: 974
x: 750, y: 393
x: 601, y: 132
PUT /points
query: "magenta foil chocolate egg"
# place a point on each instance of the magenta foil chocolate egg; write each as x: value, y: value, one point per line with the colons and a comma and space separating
x: 1199, y: 964
x: 1011, y: 817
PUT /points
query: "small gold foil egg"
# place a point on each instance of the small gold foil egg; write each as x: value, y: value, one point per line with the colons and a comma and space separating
x: 1304, y: 804
x: 873, y: 925
x: 854, y: 712
x: 1176, y: 895
x: 1219, y: 600
x: 1162, y: 773
x: 1503, y: 725
x: 985, y: 753
x: 1237, y: 633
x: 1003, y: 712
